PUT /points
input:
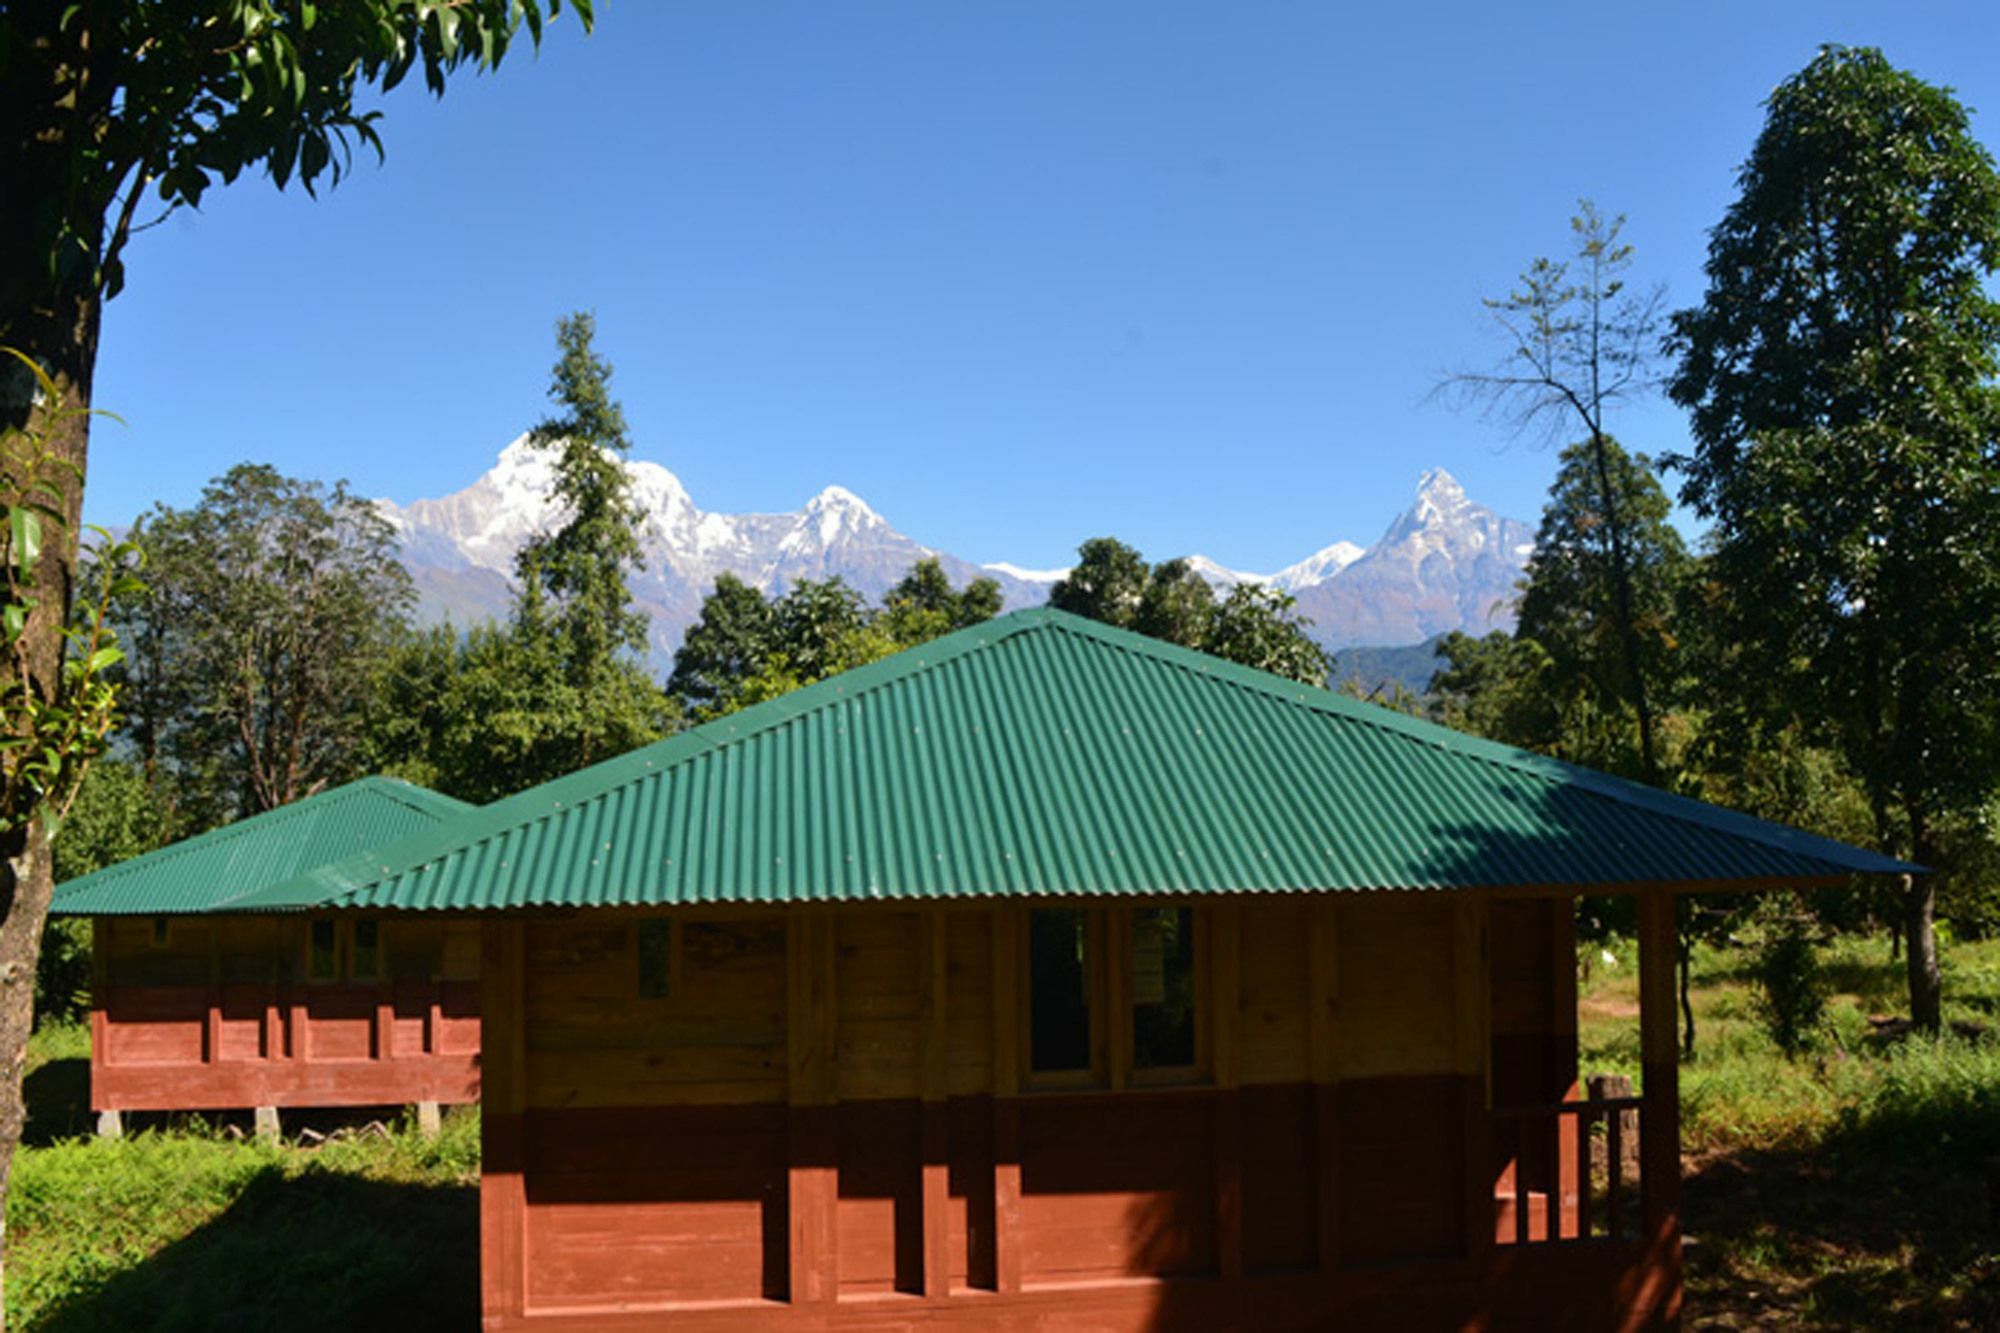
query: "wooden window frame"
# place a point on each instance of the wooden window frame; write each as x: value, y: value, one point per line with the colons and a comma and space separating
x: 1064, y: 1080
x: 1203, y: 999
x: 673, y: 977
x: 1108, y: 982
x: 312, y: 978
x: 381, y: 969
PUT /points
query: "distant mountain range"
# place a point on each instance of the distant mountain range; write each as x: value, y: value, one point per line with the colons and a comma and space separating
x: 1446, y: 563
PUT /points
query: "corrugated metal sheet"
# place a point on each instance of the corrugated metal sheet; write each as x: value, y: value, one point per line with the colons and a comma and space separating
x: 1046, y: 754
x: 206, y: 871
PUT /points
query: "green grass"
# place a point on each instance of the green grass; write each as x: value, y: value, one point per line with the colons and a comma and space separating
x: 183, y: 1226
x: 1847, y: 1188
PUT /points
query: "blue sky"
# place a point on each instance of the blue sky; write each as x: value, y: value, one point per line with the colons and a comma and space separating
x: 1017, y: 273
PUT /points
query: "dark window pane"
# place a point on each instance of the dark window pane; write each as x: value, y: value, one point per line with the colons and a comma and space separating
x: 1058, y: 990
x: 159, y: 932
x: 323, y: 960
x: 656, y: 942
x: 1162, y: 987
x: 367, y: 950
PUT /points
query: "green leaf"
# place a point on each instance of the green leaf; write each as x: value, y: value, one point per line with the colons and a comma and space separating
x: 25, y: 528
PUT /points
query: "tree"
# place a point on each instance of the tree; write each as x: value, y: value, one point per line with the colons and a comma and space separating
x: 926, y: 591
x: 117, y: 815
x: 727, y: 642
x: 1594, y: 634
x: 1106, y: 583
x: 1496, y: 686
x: 1259, y: 627
x: 1578, y: 345
x: 745, y: 648
x: 578, y: 632
x: 1177, y: 605
x: 1839, y: 372
x: 1254, y: 625
x: 56, y: 710
x: 101, y: 103
x: 269, y: 607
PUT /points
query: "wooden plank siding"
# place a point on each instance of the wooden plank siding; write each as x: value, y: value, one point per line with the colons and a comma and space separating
x: 192, y: 1013
x: 828, y: 1122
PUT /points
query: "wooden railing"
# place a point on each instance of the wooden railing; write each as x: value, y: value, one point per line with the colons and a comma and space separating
x: 1567, y: 1171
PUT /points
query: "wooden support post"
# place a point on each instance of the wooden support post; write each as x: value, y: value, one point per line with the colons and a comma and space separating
x: 1471, y: 1046
x: 1660, y: 1117
x: 503, y: 1196
x: 271, y: 1041
x: 1007, y: 967
x: 1116, y: 952
x: 936, y: 1147
x: 813, y: 1179
x: 1322, y: 1041
x: 385, y: 1023
x: 100, y: 1020
x: 110, y: 1125
x: 267, y: 1124
x: 1226, y: 992
x: 430, y: 1119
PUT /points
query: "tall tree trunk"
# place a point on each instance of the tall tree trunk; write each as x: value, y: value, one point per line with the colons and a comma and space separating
x: 59, y: 330
x: 1920, y: 956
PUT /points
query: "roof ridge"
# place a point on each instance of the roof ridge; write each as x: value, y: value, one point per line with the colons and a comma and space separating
x: 746, y: 724
x: 1544, y: 768
x: 520, y: 814
x: 318, y: 805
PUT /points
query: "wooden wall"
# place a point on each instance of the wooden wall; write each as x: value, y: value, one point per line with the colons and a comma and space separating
x: 214, y: 1013
x: 828, y: 1117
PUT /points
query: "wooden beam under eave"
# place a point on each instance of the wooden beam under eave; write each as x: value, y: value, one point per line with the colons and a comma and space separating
x: 1659, y: 1119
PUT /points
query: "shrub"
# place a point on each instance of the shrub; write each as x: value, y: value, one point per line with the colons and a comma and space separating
x: 1791, y: 986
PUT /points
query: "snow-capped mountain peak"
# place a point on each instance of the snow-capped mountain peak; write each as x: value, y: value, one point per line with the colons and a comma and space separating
x: 1446, y: 563
x: 1318, y: 567
x: 1221, y: 576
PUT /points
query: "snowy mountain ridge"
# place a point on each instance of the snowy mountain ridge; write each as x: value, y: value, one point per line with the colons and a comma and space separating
x: 1445, y: 563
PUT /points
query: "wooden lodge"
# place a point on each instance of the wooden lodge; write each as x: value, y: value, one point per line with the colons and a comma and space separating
x: 197, y: 1008
x: 1051, y: 977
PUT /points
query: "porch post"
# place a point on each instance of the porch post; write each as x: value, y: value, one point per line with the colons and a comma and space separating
x: 1660, y: 1117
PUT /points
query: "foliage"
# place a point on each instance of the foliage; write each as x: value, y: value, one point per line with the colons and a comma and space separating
x: 50, y: 730
x: 1791, y: 989
x: 115, y: 817
x: 727, y: 643
x: 1253, y: 625
x: 577, y: 638
x: 1596, y: 632
x: 926, y: 591
x: 1260, y: 627
x: 269, y: 608
x: 746, y: 648
x: 1177, y: 605
x: 1106, y: 583
x: 168, y: 98
x: 1578, y: 344
x: 1840, y: 375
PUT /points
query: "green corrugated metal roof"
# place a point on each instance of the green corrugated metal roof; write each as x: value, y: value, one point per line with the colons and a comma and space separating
x: 1045, y: 754
x: 203, y: 872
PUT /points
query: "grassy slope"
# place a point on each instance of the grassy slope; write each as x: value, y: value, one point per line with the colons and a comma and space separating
x: 185, y: 1227
x: 1848, y: 1189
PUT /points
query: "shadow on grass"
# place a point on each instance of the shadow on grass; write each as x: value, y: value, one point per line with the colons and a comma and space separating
x: 1886, y: 1225
x: 58, y: 1098
x: 320, y: 1250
